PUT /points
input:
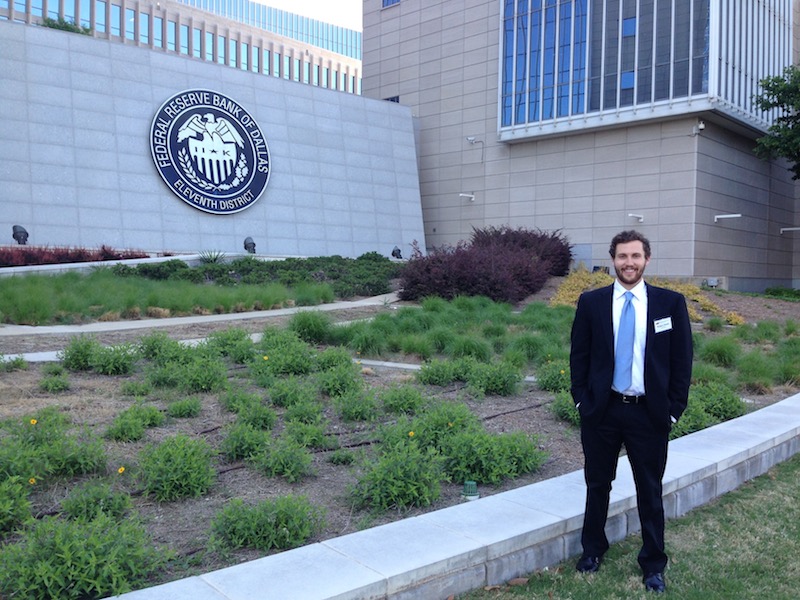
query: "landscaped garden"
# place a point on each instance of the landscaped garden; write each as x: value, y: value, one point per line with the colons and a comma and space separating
x: 130, y: 464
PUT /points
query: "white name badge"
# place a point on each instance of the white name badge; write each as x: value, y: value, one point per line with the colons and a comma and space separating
x: 664, y: 324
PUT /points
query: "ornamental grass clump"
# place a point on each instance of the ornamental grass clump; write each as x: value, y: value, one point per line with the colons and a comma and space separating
x: 274, y: 524
x: 721, y: 351
x: 313, y: 327
x: 178, y: 467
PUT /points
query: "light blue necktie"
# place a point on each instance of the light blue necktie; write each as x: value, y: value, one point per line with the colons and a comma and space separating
x: 623, y: 357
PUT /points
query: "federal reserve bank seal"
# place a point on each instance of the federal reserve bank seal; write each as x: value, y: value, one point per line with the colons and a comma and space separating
x: 209, y: 150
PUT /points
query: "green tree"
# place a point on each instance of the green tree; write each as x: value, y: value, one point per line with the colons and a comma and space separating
x: 783, y: 137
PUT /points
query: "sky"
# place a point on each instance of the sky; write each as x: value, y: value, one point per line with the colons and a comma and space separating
x: 345, y: 13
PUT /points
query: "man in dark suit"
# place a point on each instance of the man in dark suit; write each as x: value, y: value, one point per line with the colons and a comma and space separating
x: 629, y: 401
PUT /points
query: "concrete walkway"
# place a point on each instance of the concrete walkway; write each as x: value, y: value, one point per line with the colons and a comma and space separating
x: 486, y: 541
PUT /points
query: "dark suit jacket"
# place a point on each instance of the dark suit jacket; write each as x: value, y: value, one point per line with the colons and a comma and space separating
x: 667, y: 355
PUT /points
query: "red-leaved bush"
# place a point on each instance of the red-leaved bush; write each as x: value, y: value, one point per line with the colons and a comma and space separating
x: 21, y: 256
x: 503, y: 264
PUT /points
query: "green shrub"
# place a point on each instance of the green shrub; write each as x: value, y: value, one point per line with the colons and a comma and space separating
x: 162, y: 349
x: 402, y: 476
x: 231, y: 341
x: 437, y: 372
x: 719, y: 401
x: 402, y: 399
x: 342, y: 456
x: 284, y: 457
x: 284, y: 353
x: 356, y: 405
x: 703, y: 372
x: 235, y: 399
x: 341, y: 379
x: 715, y: 324
x: 332, y: 357
x: 243, y: 441
x: 484, y: 457
x: 202, y: 374
x: 554, y: 376
x: 186, y: 408
x: 694, y: 418
x: 53, y: 384
x: 15, y: 508
x: 563, y: 408
x: 130, y: 424
x: 498, y: 379
x: 304, y: 412
x: 77, y: 356
x: 94, y: 497
x: 310, y: 435
x: 280, y: 523
x: 178, y: 467
x: 18, y: 363
x: 292, y: 390
x: 433, y: 426
x: 113, y: 360
x: 416, y: 344
x: 63, y: 560
x: 163, y: 376
x: 137, y: 389
x: 258, y: 415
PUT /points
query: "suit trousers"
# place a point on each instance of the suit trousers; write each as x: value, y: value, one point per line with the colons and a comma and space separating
x: 646, y: 447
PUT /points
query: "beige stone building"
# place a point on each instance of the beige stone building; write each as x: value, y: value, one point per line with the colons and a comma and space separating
x: 593, y: 116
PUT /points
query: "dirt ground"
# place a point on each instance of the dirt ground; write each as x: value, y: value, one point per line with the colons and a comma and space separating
x: 183, y: 526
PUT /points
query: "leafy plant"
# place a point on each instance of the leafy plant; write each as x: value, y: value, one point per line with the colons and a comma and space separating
x: 78, y: 354
x: 356, y: 405
x: 402, y: 399
x: 284, y: 457
x: 54, y: 384
x: 95, y: 497
x: 553, y: 376
x: 243, y: 441
x: 15, y: 508
x: 500, y: 378
x: 130, y: 424
x: 402, y: 476
x: 185, y: 408
x: 491, y: 458
x: 280, y: 523
x: 63, y: 560
x: 178, y: 467
x: 563, y: 407
x: 113, y: 360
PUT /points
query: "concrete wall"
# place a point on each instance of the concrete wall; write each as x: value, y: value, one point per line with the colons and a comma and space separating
x: 76, y: 167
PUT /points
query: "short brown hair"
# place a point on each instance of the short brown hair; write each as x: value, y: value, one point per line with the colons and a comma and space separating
x: 624, y: 237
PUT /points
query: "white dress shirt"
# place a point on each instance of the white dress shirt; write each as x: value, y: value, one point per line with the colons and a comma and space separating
x: 639, y: 302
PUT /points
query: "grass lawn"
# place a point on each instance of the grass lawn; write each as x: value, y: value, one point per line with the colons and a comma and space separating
x: 742, y: 546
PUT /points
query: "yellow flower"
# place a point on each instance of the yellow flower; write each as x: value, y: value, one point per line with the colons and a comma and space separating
x: 32, y: 480
x: 562, y: 371
x: 449, y: 424
x: 34, y: 421
x: 121, y: 470
x: 410, y: 434
x: 266, y: 357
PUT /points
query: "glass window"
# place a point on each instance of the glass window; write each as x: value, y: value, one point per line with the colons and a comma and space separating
x: 287, y: 64
x: 296, y: 69
x: 158, y: 32
x: 627, y: 80
x: 390, y: 2
x: 172, y: 34
x: 266, y: 62
x: 221, y: 49
x: 86, y: 12
x: 306, y: 72
x: 245, y: 53
x: 130, y: 20
x: 144, y: 28
x: 276, y: 64
x: 184, y: 39
x: 197, y: 36
x: 334, y: 80
x: 315, y: 76
x: 325, y: 75
x: 629, y: 27
x: 116, y: 20
x: 209, y: 46
x: 254, y: 63
x: 232, y: 52
x: 99, y: 17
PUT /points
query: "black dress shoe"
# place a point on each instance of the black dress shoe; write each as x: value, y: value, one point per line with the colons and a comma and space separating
x: 654, y: 582
x: 588, y: 564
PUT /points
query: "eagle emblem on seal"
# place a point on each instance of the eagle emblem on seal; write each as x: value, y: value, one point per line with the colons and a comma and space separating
x: 213, y: 144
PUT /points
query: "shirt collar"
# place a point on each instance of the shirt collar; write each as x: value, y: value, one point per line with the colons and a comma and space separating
x: 638, y: 290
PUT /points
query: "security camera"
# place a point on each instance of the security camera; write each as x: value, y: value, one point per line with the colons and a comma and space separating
x: 701, y: 125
